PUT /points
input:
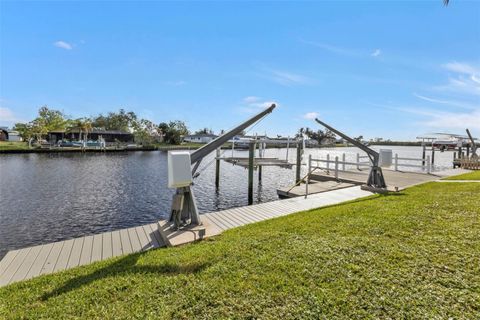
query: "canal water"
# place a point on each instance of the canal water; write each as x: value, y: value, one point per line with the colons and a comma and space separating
x: 52, y: 197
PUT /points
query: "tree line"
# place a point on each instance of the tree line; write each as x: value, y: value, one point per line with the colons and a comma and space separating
x: 145, y: 131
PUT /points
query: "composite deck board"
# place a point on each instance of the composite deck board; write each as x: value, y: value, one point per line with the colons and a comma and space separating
x: 226, y: 217
x: 151, y: 235
x: 86, y: 255
x: 23, y: 269
x: 74, y: 259
x: 134, y: 240
x: 52, y: 258
x: 30, y: 262
x: 145, y: 244
x: 124, y: 237
x: 116, y: 244
x: 14, y: 266
x: 248, y: 216
x: 107, y: 250
x: 7, y: 260
x: 221, y: 219
x: 217, y: 222
x: 97, y: 247
x: 64, y: 255
x: 39, y: 261
x: 234, y: 214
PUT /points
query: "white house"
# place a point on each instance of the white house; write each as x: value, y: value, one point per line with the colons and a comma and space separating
x: 200, y: 138
x: 9, y: 135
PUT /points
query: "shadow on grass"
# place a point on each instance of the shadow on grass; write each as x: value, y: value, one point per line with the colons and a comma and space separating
x: 126, y: 265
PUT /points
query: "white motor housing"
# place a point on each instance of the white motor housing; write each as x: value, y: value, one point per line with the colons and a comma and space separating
x: 385, y: 159
x: 179, y: 169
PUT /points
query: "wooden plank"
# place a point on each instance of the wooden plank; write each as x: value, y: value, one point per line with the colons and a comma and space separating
x: 116, y: 244
x: 52, y: 258
x: 97, y: 248
x: 232, y: 215
x: 253, y: 215
x: 156, y: 234
x: 219, y: 220
x: 86, y: 255
x: 126, y: 245
x: 7, y: 259
x: 62, y: 260
x: 151, y: 238
x: 22, y: 271
x: 225, y: 217
x: 215, y: 221
x: 261, y: 209
x: 134, y: 240
x: 107, y: 250
x: 74, y: 259
x: 144, y: 240
x: 246, y: 216
x: 14, y: 266
x: 40, y: 261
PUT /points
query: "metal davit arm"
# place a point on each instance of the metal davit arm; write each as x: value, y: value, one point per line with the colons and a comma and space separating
x: 375, y: 177
x: 372, y: 153
x: 200, y: 153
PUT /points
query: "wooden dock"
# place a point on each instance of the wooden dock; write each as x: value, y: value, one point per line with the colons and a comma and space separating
x: 321, y: 181
x: 22, y: 264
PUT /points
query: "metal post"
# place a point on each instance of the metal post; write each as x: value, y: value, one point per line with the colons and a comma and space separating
x: 233, y: 146
x: 217, y: 169
x: 288, y: 147
x: 423, y: 153
x: 428, y: 164
x: 251, y: 154
x: 328, y: 163
x: 336, y: 167
x: 433, y: 156
x: 309, y: 168
x: 396, y: 161
x: 343, y: 162
x: 358, y: 161
x: 299, y: 161
x: 260, y: 151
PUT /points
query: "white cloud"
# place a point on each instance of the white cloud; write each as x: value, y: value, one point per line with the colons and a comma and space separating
x: 287, y: 78
x: 467, y: 80
x: 251, y: 99
x: 63, y: 45
x: 310, y: 115
x: 459, y: 104
x: 255, y: 104
x: 463, y: 68
x: 376, y: 53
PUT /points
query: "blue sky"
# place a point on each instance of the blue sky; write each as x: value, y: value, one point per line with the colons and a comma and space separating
x: 380, y: 69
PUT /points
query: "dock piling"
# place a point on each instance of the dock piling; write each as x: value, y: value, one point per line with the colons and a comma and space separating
x: 217, y: 169
x: 299, y: 161
x: 251, y: 154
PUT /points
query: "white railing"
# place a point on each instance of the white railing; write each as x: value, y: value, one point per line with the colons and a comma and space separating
x: 425, y: 164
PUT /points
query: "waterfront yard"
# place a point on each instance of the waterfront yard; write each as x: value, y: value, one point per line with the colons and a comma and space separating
x: 474, y: 175
x: 409, y: 255
x: 10, y: 145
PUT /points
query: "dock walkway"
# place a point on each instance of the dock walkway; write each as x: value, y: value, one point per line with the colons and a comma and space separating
x: 26, y: 263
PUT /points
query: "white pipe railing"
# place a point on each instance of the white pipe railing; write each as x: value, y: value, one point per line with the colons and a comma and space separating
x: 425, y: 164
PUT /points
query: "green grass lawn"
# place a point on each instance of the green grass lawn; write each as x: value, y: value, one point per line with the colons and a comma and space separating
x: 474, y: 175
x: 410, y: 255
x: 9, y: 145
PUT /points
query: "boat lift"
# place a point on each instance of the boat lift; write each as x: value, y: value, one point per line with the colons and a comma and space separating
x: 184, y: 207
x: 473, y: 147
x: 376, y: 181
